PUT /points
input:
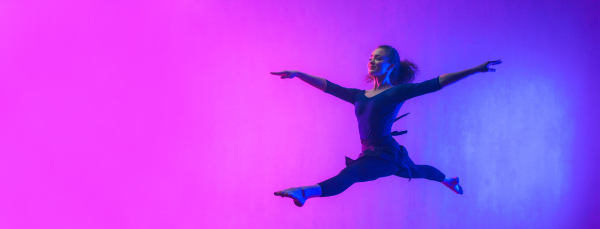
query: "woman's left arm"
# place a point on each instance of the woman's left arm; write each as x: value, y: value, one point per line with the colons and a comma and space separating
x: 450, y: 78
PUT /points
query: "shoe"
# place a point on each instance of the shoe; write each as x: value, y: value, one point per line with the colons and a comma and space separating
x: 299, y: 200
x: 454, y: 186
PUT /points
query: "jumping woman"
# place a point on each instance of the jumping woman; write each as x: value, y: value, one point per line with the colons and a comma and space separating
x: 376, y: 110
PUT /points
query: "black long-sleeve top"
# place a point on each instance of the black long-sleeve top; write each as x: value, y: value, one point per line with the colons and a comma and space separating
x: 376, y: 115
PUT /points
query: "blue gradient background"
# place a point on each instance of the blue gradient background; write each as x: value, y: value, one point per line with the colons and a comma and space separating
x: 182, y: 126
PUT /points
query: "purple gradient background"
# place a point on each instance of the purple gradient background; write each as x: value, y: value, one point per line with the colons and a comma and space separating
x: 162, y: 114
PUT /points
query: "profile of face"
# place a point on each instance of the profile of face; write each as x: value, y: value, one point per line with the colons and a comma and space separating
x: 379, y: 64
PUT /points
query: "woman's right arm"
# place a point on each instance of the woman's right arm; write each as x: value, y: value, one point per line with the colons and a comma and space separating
x: 346, y: 94
x: 315, y: 81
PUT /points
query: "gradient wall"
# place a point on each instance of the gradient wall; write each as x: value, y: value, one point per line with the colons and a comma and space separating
x: 162, y: 114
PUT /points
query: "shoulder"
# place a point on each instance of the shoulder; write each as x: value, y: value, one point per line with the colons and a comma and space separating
x: 430, y: 83
x: 399, y: 87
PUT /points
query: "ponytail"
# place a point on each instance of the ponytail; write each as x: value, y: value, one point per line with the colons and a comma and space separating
x: 405, y: 73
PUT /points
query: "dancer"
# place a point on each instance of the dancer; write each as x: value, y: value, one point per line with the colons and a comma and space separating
x: 376, y: 110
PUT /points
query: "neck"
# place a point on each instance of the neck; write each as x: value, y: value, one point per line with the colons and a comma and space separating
x: 381, y: 82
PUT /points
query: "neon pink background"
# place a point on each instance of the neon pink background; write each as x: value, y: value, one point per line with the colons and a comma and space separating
x: 162, y: 114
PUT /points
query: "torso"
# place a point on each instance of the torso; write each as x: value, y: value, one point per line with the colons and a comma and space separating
x: 370, y: 93
x: 375, y: 112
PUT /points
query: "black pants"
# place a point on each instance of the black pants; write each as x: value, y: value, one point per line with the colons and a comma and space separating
x: 371, y: 168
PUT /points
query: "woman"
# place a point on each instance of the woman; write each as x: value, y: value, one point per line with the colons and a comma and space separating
x: 376, y: 110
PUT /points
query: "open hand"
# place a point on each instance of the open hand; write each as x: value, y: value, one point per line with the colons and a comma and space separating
x: 287, y: 74
x: 485, y: 66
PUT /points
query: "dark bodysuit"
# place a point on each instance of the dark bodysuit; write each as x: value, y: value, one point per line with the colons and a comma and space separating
x: 381, y: 155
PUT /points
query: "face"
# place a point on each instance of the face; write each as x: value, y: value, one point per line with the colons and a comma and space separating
x: 378, y: 63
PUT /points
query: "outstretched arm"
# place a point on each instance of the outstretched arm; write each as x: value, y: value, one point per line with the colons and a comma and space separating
x: 450, y: 78
x: 317, y: 82
x: 346, y: 94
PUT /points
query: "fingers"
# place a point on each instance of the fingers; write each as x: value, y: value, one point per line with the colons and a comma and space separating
x: 493, y: 62
x: 283, y: 74
x: 280, y: 73
x: 496, y: 62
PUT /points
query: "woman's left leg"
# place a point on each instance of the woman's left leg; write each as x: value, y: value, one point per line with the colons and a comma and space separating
x: 420, y: 171
x: 430, y: 173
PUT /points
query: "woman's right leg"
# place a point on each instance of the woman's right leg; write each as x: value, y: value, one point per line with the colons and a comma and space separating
x: 364, y: 169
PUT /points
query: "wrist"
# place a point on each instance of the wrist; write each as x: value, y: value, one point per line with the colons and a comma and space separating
x: 302, y: 75
x: 477, y: 69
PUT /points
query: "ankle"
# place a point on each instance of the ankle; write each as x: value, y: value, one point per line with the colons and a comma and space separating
x: 312, y: 191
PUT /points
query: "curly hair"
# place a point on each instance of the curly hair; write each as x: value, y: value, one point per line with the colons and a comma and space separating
x: 403, y: 72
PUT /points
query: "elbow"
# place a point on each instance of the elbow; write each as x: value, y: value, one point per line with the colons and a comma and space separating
x: 442, y: 81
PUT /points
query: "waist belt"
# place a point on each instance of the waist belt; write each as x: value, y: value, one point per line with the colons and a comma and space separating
x: 396, y: 133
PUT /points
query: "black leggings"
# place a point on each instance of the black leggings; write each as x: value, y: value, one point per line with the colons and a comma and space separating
x: 371, y: 168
